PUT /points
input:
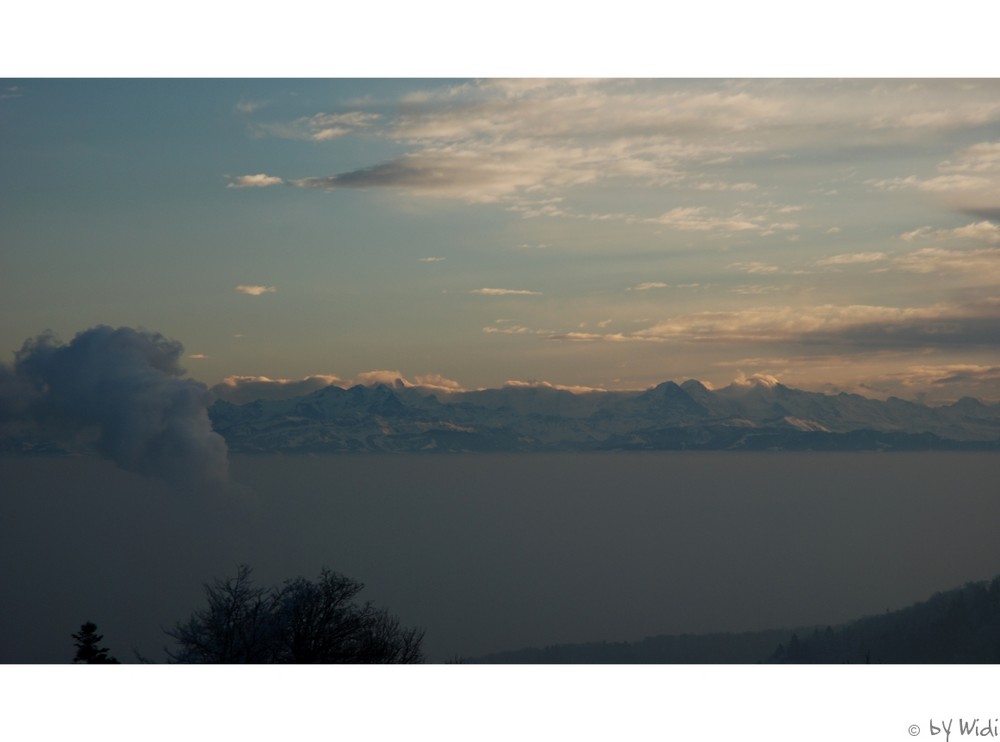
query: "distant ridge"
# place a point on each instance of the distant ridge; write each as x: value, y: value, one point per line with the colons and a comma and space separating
x: 752, y: 416
x: 960, y: 626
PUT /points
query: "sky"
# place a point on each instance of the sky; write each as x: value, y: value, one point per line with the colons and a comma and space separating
x: 837, y: 235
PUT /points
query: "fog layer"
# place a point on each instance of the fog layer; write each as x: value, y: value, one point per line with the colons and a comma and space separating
x: 495, y: 552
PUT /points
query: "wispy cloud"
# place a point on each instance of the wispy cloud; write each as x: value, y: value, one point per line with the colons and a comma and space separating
x: 430, y: 260
x: 648, y: 286
x: 255, y: 290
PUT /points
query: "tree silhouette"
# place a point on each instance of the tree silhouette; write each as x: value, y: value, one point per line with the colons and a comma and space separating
x: 300, y: 622
x: 87, y: 649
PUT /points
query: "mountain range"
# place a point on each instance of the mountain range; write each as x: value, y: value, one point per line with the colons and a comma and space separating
x: 751, y: 416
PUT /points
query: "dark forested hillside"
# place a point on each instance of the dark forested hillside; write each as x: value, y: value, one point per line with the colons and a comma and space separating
x: 961, y: 626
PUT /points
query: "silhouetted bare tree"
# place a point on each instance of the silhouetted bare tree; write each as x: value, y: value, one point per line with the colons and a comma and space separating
x: 300, y: 622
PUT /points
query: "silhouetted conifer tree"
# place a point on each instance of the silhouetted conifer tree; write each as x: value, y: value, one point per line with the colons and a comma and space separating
x: 87, y: 649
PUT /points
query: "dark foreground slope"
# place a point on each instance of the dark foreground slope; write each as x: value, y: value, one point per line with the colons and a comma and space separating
x: 960, y: 626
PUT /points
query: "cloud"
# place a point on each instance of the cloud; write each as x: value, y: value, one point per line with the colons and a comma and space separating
x: 120, y: 392
x: 694, y: 218
x: 973, y: 324
x: 389, y: 378
x: 969, y: 182
x: 505, y: 292
x: 477, y: 172
x: 482, y: 141
x: 854, y: 258
x: 942, y: 383
x: 722, y: 186
x: 320, y: 127
x: 251, y: 106
x: 984, y: 231
x: 513, y: 330
x: 429, y: 260
x: 197, y: 356
x: 855, y: 327
x: 435, y: 382
x: 260, y: 180
x: 575, y: 389
x: 754, y: 268
x: 984, y: 261
x: 648, y: 286
x: 698, y: 219
x: 255, y: 290
x: 757, y: 289
x: 243, y: 389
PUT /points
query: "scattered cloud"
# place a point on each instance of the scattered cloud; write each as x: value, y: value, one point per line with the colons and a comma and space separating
x: 260, y: 180
x: 254, y: 290
x: 757, y: 289
x: 984, y: 231
x: 723, y: 186
x: 197, y: 356
x: 984, y: 261
x: 513, y: 330
x: 429, y: 260
x: 854, y: 258
x: 320, y: 127
x: 648, y: 286
x: 755, y: 267
x: 969, y: 182
x: 696, y: 218
x: 505, y: 292
x: 251, y: 106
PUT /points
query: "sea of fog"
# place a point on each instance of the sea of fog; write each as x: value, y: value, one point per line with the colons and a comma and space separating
x: 496, y: 552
